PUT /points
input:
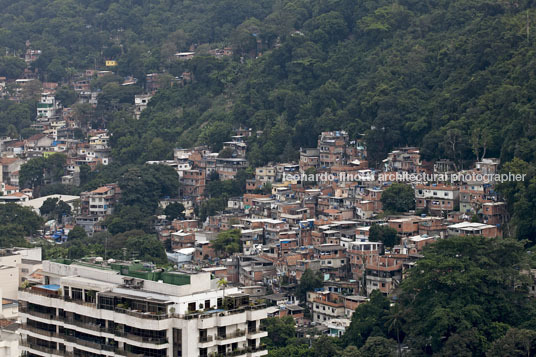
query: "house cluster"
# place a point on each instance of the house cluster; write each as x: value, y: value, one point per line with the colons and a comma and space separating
x: 289, y: 224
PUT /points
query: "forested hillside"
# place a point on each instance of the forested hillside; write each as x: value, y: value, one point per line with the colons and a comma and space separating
x: 453, y: 77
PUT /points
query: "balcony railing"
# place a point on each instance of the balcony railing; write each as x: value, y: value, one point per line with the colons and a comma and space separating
x: 238, y: 333
x: 88, y: 326
x: 40, y: 331
x: 240, y: 352
x: 90, y: 344
x: 257, y: 330
x: 204, y: 339
x: 146, y: 339
x: 122, y: 352
x: 143, y: 315
x: 44, y: 349
x: 43, y: 315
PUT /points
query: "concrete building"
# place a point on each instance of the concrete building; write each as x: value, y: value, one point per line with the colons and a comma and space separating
x: 124, y: 309
x: 47, y: 106
x: 9, y: 339
x: 140, y: 103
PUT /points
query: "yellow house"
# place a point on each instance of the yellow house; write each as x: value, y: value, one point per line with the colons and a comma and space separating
x: 111, y: 63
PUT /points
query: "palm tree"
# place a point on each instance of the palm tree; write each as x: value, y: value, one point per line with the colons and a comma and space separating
x: 222, y: 283
x: 394, y: 323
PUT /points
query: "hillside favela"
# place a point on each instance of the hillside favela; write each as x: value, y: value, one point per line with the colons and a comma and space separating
x: 282, y: 178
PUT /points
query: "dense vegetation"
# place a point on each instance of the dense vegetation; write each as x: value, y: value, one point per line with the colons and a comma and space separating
x: 453, y: 77
x: 16, y: 223
x: 468, y: 296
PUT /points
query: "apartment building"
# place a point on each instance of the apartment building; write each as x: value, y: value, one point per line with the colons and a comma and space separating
x: 101, y: 201
x: 325, y: 305
x: 384, y: 275
x: 437, y: 198
x: 332, y: 148
x: 473, y: 228
x: 193, y: 183
x: 264, y: 175
x: 119, y: 309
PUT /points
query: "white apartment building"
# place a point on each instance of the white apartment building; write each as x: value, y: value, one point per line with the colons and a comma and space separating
x: 102, y: 310
x: 47, y: 106
x: 140, y: 103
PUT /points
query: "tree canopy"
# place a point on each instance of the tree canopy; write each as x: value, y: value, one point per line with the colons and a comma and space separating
x: 398, y: 197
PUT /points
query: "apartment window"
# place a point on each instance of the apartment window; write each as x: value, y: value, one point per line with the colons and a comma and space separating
x: 191, y: 306
x: 106, y: 303
x: 222, y: 331
x: 76, y: 294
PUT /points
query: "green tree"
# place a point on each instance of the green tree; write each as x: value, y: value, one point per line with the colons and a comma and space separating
x: 325, y: 346
x: 77, y: 233
x: 385, y: 234
x: 351, y: 351
x: 11, y: 67
x: 144, y: 186
x: 398, y: 197
x: 66, y: 96
x: 174, y: 210
x: 516, y: 342
x: 227, y: 242
x: 128, y: 218
x: 369, y: 319
x: 462, y: 285
x: 309, y: 281
x: 280, y: 331
x: 147, y: 248
x: 377, y: 346
x: 14, y: 214
x: 48, y: 206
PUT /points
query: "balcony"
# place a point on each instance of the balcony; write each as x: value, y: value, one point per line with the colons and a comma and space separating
x: 88, y: 326
x: 44, y: 349
x: 245, y: 351
x: 206, y: 339
x: 143, y: 315
x: 144, y: 339
x: 40, y: 331
x: 90, y: 344
x: 122, y: 352
x: 238, y: 333
x: 257, y: 333
x: 41, y: 315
